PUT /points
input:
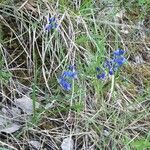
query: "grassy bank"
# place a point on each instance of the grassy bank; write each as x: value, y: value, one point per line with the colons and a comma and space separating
x: 39, y: 40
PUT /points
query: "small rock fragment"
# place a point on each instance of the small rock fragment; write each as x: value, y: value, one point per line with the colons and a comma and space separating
x: 35, y: 144
x: 11, y: 128
x: 25, y: 103
x: 67, y: 144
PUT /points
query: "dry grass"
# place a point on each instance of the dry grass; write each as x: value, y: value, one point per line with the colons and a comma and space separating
x: 110, y: 114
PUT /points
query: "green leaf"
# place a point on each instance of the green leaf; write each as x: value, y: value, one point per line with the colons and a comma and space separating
x: 141, y: 144
x: 1, y: 148
x: 142, y: 1
x: 82, y: 39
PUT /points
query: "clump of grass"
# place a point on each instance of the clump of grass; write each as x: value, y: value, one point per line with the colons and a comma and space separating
x: 98, y: 114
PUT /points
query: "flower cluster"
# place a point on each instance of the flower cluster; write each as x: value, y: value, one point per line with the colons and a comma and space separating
x: 112, y: 65
x: 51, y: 24
x: 66, y: 77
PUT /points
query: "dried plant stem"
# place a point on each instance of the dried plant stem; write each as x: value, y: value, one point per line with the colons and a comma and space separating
x: 5, y: 144
x: 112, y: 87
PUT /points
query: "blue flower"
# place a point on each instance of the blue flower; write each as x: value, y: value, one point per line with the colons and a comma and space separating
x: 111, y: 72
x: 71, y: 67
x: 69, y: 74
x: 52, y: 24
x: 48, y: 27
x: 101, y: 76
x: 101, y: 73
x: 119, y: 52
x: 51, y: 20
x: 66, y: 78
x: 120, y: 61
x: 112, y: 65
x: 108, y: 64
x: 97, y: 69
x: 64, y: 84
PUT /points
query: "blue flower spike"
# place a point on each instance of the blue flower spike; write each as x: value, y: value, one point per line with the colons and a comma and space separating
x: 111, y: 72
x: 120, y: 61
x: 64, y: 84
x: 72, y: 67
x: 52, y: 24
x: 66, y: 78
x: 101, y: 76
x: 51, y: 20
x: 119, y: 52
x: 97, y: 69
x: 108, y: 64
x: 112, y: 65
x: 69, y: 74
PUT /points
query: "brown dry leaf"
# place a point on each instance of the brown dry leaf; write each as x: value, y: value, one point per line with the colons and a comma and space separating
x: 30, y: 7
x: 119, y: 18
x: 71, y: 119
